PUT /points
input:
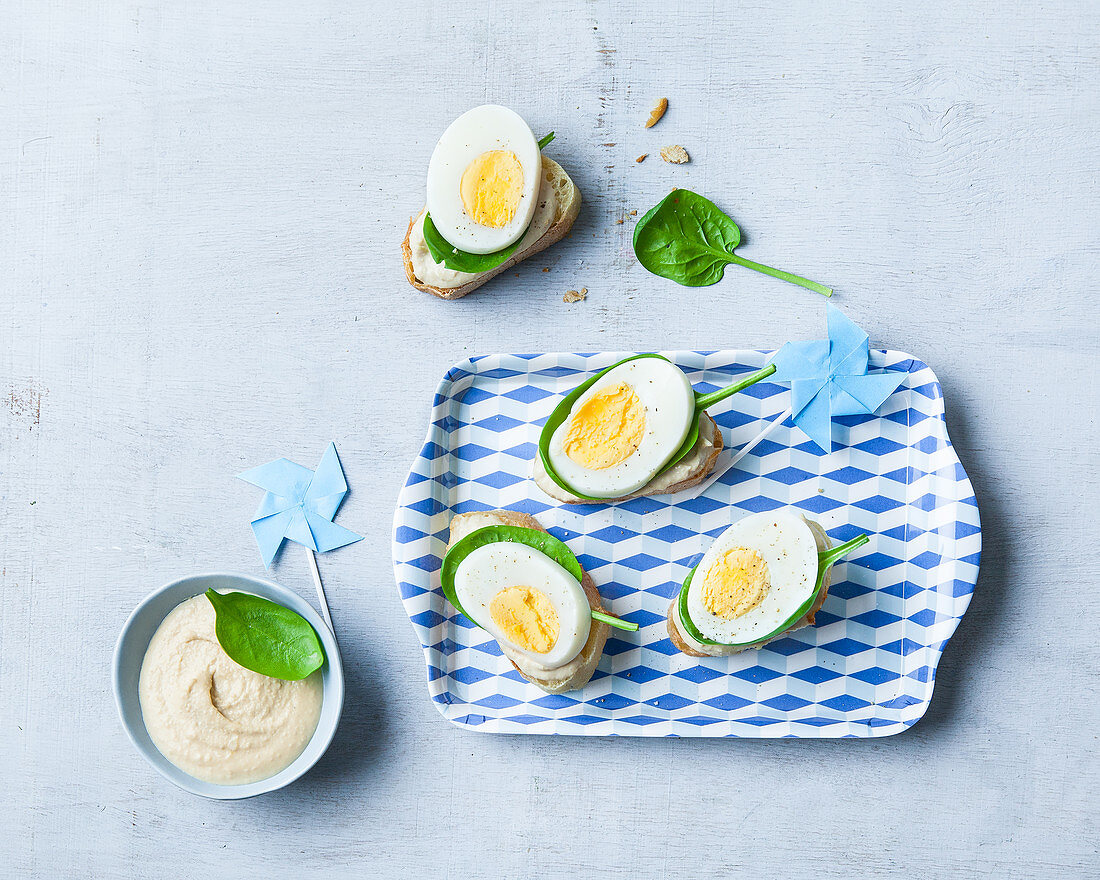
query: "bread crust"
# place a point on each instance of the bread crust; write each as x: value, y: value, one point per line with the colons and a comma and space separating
x: 807, y: 619
x: 693, y: 479
x: 597, y: 634
x: 557, y: 231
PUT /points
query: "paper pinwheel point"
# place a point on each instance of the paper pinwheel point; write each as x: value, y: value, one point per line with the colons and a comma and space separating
x: 299, y: 505
x: 829, y: 378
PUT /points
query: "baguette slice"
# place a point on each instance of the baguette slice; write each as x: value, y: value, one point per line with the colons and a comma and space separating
x: 578, y: 671
x: 688, y: 645
x: 691, y: 471
x: 568, y: 207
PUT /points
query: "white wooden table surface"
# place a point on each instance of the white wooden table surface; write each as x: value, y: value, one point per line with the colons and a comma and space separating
x: 199, y: 272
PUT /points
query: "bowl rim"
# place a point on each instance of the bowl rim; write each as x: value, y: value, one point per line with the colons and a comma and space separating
x: 332, y: 678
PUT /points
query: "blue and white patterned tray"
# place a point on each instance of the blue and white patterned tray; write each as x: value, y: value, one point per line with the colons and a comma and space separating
x: 866, y: 669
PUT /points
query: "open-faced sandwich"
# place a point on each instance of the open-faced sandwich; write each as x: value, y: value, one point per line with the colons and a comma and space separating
x: 764, y: 576
x: 493, y: 200
x: 524, y: 587
x: 637, y: 428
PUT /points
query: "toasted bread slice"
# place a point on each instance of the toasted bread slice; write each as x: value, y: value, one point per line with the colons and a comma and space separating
x: 690, y: 471
x: 688, y: 645
x: 565, y: 212
x: 578, y: 671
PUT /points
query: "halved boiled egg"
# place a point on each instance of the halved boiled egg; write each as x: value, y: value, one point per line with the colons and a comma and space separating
x: 526, y: 601
x: 483, y: 180
x: 624, y: 428
x: 754, y: 577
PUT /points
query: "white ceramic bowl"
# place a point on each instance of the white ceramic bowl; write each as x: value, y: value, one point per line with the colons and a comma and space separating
x: 130, y: 651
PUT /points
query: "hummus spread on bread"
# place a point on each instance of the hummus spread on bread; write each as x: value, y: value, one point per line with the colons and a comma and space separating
x: 428, y: 271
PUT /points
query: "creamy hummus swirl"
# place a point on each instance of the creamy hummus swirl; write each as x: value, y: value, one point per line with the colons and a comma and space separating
x: 213, y: 718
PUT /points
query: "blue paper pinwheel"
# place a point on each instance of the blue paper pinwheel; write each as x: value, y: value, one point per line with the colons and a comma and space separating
x: 829, y: 378
x: 299, y: 504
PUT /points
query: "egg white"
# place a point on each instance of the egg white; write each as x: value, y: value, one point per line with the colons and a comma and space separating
x: 669, y: 402
x: 490, y: 568
x: 485, y: 128
x: 786, y: 543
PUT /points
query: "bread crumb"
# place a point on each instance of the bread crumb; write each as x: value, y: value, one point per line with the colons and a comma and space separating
x: 657, y: 112
x: 642, y: 157
x: 572, y: 296
x: 675, y: 155
x: 620, y: 221
x: 633, y: 213
x: 547, y: 269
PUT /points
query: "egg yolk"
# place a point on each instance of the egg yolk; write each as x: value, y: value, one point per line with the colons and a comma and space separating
x: 736, y: 583
x: 491, y: 188
x: 606, y: 429
x: 527, y: 618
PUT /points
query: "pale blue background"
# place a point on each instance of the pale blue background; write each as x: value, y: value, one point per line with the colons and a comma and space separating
x: 199, y: 272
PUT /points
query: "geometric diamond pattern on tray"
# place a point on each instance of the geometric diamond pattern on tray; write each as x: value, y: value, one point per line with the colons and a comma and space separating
x: 866, y: 669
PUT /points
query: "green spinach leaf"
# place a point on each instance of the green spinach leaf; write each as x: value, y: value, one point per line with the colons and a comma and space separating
x: 265, y: 637
x: 688, y: 239
x: 544, y: 542
x: 444, y: 252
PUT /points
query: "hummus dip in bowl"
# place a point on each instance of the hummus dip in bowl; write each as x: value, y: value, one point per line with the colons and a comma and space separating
x: 263, y: 747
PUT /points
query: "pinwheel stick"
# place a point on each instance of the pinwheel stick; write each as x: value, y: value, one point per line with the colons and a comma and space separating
x: 320, y: 589
x: 724, y: 466
x: 748, y: 447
